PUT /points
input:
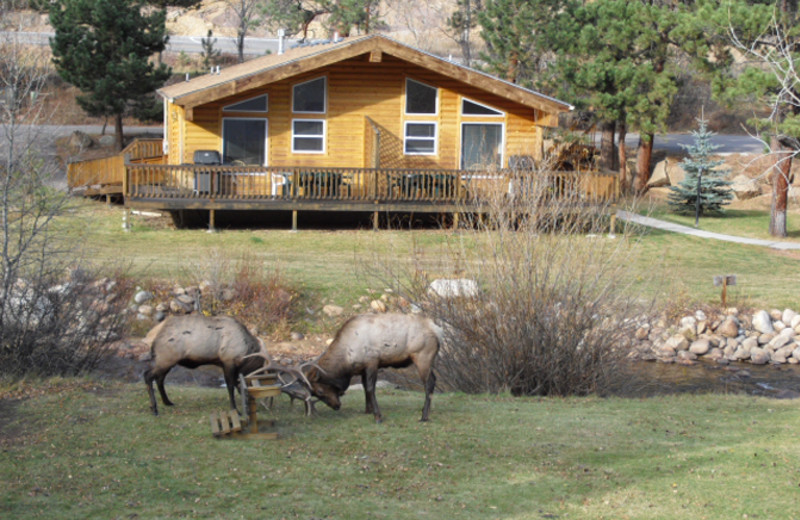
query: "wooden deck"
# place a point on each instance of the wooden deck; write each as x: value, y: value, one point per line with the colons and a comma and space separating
x: 139, y: 176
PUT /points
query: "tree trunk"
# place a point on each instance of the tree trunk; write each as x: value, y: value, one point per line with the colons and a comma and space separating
x: 780, y: 188
x: 118, y: 131
x: 623, y: 157
x: 240, y: 45
x: 607, y: 131
x: 643, y: 157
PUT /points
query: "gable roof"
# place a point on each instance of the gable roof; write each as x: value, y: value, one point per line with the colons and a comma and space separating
x: 304, y: 58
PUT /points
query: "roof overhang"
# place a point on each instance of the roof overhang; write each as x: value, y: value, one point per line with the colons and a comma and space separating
x: 272, y: 68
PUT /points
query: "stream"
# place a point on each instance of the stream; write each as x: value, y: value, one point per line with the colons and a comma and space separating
x: 777, y: 381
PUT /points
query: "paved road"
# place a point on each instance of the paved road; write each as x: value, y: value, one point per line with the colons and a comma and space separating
x: 677, y: 228
x: 674, y: 143
x: 188, y: 44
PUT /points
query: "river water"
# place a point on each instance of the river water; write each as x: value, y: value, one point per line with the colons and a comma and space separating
x: 778, y: 381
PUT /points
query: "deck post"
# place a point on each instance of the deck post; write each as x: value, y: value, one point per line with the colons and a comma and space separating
x: 211, y: 220
x: 375, y: 221
x: 455, y: 220
x: 294, y: 221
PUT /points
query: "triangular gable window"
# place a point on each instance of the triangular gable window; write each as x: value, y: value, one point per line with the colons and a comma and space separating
x: 257, y: 104
x: 471, y: 108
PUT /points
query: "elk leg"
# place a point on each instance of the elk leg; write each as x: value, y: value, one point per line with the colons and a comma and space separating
x: 148, y: 380
x: 370, y: 379
x: 230, y: 382
x: 159, y: 377
x: 430, y: 384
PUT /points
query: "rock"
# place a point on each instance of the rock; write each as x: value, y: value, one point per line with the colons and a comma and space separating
x: 779, y: 341
x: 454, y: 288
x: 142, y: 296
x: 659, y: 177
x: 80, y: 141
x: 177, y: 291
x: 715, y: 354
x: 702, y: 327
x: 332, y: 311
x: 795, y: 322
x: 787, y: 316
x: 297, y: 336
x: 176, y: 307
x: 186, y: 300
x: 688, y: 327
x: 732, y: 311
x: 796, y: 353
x: 729, y: 328
x: 745, y: 188
x: 775, y: 314
x: 777, y: 359
x: 377, y: 306
x: 742, y: 353
x: 759, y: 356
x: 778, y: 325
x: 107, y: 140
x: 785, y: 352
x: 685, y: 354
x: 147, y: 310
x: 700, y: 347
x: 763, y: 323
x: 749, y: 343
x: 160, y: 316
x: 675, y: 172
x: 763, y: 339
x: 162, y: 307
x: 677, y: 343
x: 642, y: 332
x: 700, y: 315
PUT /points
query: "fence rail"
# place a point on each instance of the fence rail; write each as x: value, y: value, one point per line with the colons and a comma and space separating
x: 347, y: 184
x: 109, y: 171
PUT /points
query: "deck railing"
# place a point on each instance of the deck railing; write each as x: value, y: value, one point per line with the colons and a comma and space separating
x: 106, y: 171
x: 344, y: 184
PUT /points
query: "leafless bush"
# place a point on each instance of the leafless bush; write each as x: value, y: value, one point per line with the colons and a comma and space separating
x: 242, y: 286
x: 553, y: 312
x: 51, y: 322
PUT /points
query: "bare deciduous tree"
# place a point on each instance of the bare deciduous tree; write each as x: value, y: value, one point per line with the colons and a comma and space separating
x: 248, y: 15
x: 776, y: 83
x: 54, y: 317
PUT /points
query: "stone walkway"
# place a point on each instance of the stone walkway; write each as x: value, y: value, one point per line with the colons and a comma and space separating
x: 677, y: 228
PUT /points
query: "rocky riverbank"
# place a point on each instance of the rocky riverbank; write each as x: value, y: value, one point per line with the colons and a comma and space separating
x: 763, y: 337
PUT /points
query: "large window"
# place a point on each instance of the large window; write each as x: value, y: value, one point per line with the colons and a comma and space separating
x: 421, y: 98
x: 481, y: 146
x: 309, y: 97
x: 244, y: 140
x: 420, y: 138
x: 308, y: 135
x: 258, y: 104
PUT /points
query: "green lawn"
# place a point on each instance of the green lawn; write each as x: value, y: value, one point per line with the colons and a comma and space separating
x: 332, y: 265
x: 738, y: 222
x: 96, y: 452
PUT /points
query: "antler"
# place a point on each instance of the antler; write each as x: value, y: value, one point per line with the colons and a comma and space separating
x: 271, y: 365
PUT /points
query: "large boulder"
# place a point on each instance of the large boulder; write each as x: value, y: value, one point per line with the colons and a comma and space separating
x: 745, y: 188
x: 762, y: 322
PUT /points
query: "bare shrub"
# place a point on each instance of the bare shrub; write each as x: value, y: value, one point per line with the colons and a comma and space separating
x: 242, y: 286
x: 553, y: 312
x: 54, y: 319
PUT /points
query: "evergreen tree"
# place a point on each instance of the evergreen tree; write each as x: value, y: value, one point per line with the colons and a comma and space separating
x: 704, y: 189
x: 104, y: 47
x: 210, y: 55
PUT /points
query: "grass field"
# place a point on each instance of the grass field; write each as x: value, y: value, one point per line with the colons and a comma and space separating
x: 330, y: 266
x: 93, y: 450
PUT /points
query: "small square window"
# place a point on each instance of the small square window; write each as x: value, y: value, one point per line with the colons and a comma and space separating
x: 308, y: 135
x: 420, y: 139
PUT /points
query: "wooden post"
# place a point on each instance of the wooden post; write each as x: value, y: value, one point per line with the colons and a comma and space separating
x: 211, y: 219
x: 294, y: 221
x: 724, y: 292
x: 455, y: 221
x: 375, y: 221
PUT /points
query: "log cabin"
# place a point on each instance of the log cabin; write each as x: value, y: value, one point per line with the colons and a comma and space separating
x: 364, y: 124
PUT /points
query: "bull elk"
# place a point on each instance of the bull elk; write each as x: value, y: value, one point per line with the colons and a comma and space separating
x: 194, y: 340
x: 368, y: 342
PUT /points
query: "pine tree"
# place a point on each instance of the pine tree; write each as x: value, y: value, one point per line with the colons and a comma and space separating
x: 704, y: 189
x: 104, y: 47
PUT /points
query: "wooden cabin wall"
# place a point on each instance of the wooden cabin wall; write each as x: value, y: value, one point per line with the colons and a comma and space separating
x: 358, y: 88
